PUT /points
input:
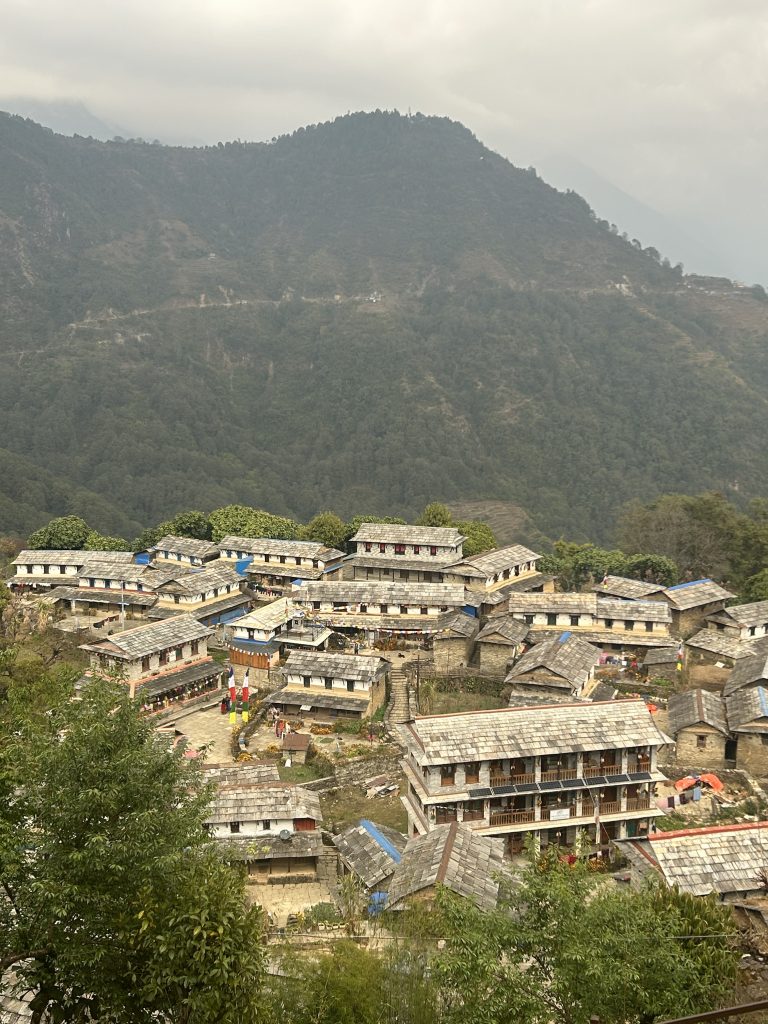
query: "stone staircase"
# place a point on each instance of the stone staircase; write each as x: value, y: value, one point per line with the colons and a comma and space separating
x: 399, y: 709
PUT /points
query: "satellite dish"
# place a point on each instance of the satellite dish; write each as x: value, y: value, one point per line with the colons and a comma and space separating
x: 285, y: 835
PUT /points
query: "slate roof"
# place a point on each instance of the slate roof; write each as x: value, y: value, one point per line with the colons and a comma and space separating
x: 503, y: 630
x: 144, y: 640
x: 491, y: 562
x: 276, y: 613
x: 115, y: 569
x: 240, y: 774
x: 660, y: 656
x: 698, y: 592
x: 185, y: 546
x: 583, y: 604
x: 568, y: 657
x: 433, y: 563
x: 397, y: 533
x: 528, y: 732
x: 721, y: 644
x: 30, y: 556
x: 458, y: 625
x: 360, y: 667
x: 630, y: 590
x: 266, y: 847
x: 450, y: 855
x: 170, y: 678
x: 747, y: 671
x: 257, y: 801
x: 638, y: 611
x: 697, y: 706
x: 312, y: 697
x: 722, y: 859
x: 601, y: 637
x: 284, y: 571
x: 98, y: 595
x: 371, y: 592
x: 209, y: 578
x: 271, y: 546
x: 371, y: 851
x: 747, y: 709
x: 753, y: 614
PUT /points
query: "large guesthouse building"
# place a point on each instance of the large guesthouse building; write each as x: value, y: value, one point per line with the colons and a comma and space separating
x: 551, y: 770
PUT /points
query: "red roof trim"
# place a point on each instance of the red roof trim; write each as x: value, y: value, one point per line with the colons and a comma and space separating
x: 712, y: 830
x: 529, y: 707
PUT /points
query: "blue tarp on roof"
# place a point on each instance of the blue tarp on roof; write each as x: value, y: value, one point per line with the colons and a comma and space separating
x: 692, y: 583
x: 383, y: 842
x: 564, y: 636
x: 142, y: 558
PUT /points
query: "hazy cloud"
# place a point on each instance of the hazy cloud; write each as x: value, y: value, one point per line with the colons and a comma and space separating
x: 665, y: 100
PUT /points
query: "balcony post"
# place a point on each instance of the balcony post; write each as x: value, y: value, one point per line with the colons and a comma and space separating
x: 624, y: 761
x: 487, y: 812
x: 485, y: 773
x: 537, y: 769
x: 579, y: 764
x: 623, y: 798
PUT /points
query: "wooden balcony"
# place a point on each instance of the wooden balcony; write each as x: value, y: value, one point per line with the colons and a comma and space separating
x: 511, y: 817
x: 638, y: 803
x: 610, y: 806
x: 546, y: 812
x: 639, y: 765
x: 512, y: 780
x: 559, y: 775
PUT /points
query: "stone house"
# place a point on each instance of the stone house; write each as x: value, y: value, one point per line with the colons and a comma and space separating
x: 214, y: 594
x: 723, y: 859
x: 747, y: 713
x: 660, y: 663
x: 261, y: 638
x: 185, y: 550
x: 692, y: 603
x: 371, y: 852
x: 624, y: 589
x: 453, y: 645
x: 698, y: 724
x: 742, y: 621
x: 273, y: 565
x: 551, y: 770
x: 416, y: 609
x: 450, y: 855
x: 160, y: 662
x: 325, y: 687
x: 499, y: 642
x: 710, y: 655
x: 40, y: 570
x: 494, y: 571
x: 560, y: 669
x: 273, y: 828
x: 609, y: 623
x: 409, y: 554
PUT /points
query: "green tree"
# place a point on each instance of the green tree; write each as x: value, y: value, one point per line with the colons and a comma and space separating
x: 480, y: 537
x: 67, y: 532
x: 756, y: 587
x: 116, y: 906
x: 99, y: 542
x: 189, y: 524
x: 326, y: 528
x: 567, y: 944
x: 243, y: 521
x: 435, y: 514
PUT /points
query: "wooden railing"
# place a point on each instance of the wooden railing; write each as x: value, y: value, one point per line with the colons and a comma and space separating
x: 512, y: 817
x: 559, y: 774
x: 638, y: 803
x: 639, y: 766
x: 610, y: 806
x: 546, y: 814
x: 498, y: 779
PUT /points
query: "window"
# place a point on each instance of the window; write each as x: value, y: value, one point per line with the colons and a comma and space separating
x: 367, y: 547
x: 282, y: 559
x: 195, y: 646
x: 179, y: 653
x: 234, y: 827
x: 399, y: 549
x: 472, y: 772
x: 145, y: 664
x: 609, y: 623
x: 363, y: 608
x: 316, y: 605
x: 752, y: 630
x: 328, y: 682
x: 432, y: 549
x: 351, y: 685
x: 306, y: 680
x: 416, y: 549
x: 424, y: 611
x: 382, y: 549
x: 163, y: 657
x: 403, y: 609
x: 528, y: 619
x: 701, y: 742
x: 649, y: 627
x: 266, y: 824
x: 447, y: 774
x: 574, y: 620
x: 629, y: 625
x: 551, y: 619
x: 46, y: 570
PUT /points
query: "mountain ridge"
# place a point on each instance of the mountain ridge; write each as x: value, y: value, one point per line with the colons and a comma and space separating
x: 371, y: 313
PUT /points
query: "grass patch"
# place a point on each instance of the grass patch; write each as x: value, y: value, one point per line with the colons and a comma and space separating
x: 298, y: 773
x: 448, y: 703
x: 346, y: 806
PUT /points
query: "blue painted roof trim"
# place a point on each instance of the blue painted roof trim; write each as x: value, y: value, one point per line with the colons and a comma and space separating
x: 383, y: 842
x: 692, y: 583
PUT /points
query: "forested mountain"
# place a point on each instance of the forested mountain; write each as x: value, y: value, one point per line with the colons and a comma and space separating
x: 372, y: 313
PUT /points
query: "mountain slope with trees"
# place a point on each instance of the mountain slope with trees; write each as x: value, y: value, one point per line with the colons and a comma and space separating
x: 370, y: 313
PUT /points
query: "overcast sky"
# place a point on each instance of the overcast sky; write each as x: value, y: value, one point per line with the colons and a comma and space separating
x: 665, y: 100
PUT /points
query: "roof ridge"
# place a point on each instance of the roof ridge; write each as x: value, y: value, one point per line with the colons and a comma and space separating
x: 529, y: 707
x: 450, y: 840
x: 709, y: 830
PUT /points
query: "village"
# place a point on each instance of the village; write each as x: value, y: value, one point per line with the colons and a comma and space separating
x: 402, y: 716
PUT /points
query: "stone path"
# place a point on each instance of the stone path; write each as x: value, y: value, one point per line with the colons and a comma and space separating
x: 209, y: 727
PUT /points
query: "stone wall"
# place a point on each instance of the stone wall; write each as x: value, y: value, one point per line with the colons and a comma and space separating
x: 711, y: 756
x: 752, y: 754
x: 450, y: 654
x: 495, y: 657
